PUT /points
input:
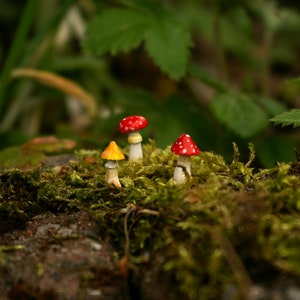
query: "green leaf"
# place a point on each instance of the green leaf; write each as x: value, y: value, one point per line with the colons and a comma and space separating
x: 271, y: 106
x: 168, y: 42
x: 287, y: 118
x: 240, y: 114
x: 166, y: 39
x: 203, y: 75
x: 180, y: 117
x: 116, y: 30
x: 274, y: 149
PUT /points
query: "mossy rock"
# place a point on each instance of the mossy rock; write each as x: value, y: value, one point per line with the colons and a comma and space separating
x: 229, y: 225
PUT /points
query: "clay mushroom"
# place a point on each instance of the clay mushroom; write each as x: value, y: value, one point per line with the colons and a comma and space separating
x: 112, y: 153
x: 131, y: 125
x: 185, y: 147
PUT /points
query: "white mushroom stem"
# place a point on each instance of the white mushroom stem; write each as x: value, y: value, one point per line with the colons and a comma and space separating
x: 112, y: 175
x: 182, y: 169
x: 135, y: 146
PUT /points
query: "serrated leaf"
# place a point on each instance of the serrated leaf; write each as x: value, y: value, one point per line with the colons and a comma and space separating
x: 291, y: 117
x: 168, y: 42
x: 166, y: 39
x: 239, y: 113
x: 116, y: 30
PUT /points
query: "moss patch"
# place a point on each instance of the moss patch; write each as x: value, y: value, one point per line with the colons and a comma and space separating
x: 229, y: 224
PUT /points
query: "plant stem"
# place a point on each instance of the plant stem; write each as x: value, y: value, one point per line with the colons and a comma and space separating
x: 17, y: 47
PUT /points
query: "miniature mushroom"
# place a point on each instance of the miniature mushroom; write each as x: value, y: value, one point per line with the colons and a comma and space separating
x: 131, y: 125
x: 185, y: 147
x: 112, y: 153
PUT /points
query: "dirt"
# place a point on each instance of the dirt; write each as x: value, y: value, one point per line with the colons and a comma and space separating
x: 59, y: 257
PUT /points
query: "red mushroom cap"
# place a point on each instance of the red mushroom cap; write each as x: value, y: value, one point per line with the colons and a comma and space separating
x: 184, y: 145
x: 132, y: 123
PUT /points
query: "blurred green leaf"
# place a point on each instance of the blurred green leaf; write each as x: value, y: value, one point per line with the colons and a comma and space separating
x: 116, y: 30
x: 274, y: 149
x: 287, y: 118
x: 168, y: 42
x: 237, y: 32
x: 239, y: 113
x: 166, y: 39
x: 176, y: 118
x: 203, y: 75
x: 136, y: 100
x: 272, y: 106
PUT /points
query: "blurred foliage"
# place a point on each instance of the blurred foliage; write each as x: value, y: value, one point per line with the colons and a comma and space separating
x: 213, y: 69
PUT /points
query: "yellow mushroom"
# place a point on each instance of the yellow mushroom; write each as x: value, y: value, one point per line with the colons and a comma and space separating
x: 112, y: 154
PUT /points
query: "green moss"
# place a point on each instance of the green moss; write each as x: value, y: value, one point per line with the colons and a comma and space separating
x: 18, y: 194
x: 228, y: 224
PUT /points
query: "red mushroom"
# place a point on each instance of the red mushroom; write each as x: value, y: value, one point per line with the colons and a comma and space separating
x: 131, y: 125
x: 185, y: 147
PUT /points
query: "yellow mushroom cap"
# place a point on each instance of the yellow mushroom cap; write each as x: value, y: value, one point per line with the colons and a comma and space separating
x: 112, y: 152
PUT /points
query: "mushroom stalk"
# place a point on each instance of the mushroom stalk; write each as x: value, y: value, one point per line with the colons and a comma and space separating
x: 182, y: 170
x: 112, y: 174
x: 135, y: 148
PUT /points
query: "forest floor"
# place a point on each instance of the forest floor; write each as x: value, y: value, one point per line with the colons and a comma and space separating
x: 230, y: 232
